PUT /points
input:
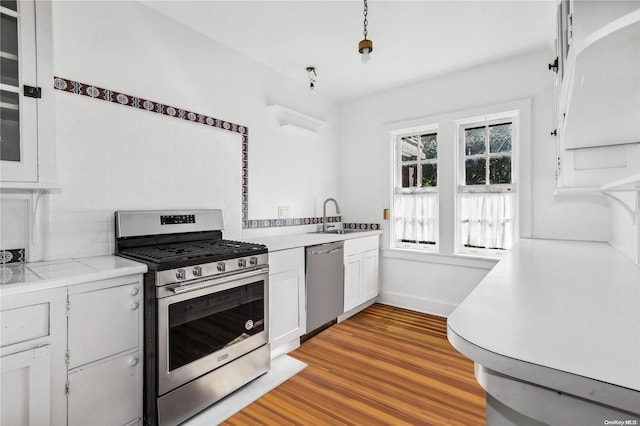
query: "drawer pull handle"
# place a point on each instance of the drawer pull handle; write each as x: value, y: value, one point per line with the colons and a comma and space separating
x: 134, y: 306
x: 134, y: 291
x: 133, y: 362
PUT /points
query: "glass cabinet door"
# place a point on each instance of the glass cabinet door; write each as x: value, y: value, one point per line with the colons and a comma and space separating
x: 18, y: 114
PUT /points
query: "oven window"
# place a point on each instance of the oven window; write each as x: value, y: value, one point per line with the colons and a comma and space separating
x: 206, y: 324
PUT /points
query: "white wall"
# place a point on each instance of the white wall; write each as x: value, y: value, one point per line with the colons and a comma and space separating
x: 436, y: 284
x: 112, y: 157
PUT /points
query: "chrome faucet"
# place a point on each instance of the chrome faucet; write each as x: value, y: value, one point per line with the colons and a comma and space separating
x: 324, y: 213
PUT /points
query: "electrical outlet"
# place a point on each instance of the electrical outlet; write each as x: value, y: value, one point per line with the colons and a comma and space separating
x: 283, y: 212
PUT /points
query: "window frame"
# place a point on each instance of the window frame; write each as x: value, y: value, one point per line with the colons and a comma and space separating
x: 396, y: 184
x: 487, y: 188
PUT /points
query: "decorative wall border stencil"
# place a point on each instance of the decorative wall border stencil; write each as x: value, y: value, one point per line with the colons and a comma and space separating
x: 12, y: 256
x: 299, y: 221
x: 123, y: 99
x: 362, y: 226
x: 99, y: 93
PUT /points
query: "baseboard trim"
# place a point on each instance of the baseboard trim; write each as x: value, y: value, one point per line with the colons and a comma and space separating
x: 420, y: 304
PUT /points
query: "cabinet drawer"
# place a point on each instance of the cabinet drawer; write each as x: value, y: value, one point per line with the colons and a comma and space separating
x: 106, y: 393
x: 24, y: 324
x: 103, y: 323
x: 359, y: 245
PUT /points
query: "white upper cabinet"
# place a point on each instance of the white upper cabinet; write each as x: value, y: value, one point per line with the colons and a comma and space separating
x: 27, y: 131
x: 599, y: 96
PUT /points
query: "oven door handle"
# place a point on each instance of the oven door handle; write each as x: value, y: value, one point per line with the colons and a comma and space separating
x: 179, y: 289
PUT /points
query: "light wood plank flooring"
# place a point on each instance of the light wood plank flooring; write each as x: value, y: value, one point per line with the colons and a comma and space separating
x: 384, y: 365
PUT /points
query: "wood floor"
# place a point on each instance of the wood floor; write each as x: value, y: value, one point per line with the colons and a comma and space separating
x: 383, y: 366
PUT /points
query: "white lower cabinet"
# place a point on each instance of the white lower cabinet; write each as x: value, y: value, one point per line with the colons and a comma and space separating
x: 26, y: 387
x: 106, y: 393
x: 360, y: 271
x: 33, y: 342
x: 104, y: 363
x: 287, y: 304
x: 72, y: 355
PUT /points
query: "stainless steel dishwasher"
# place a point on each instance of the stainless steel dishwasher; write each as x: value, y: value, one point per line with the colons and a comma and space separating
x: 325, y: 283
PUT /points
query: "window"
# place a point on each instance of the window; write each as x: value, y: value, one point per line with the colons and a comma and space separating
x: 486, y: 184
x: 415, y: 197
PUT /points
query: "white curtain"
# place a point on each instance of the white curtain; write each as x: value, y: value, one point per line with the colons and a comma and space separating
x: 487, y: 219
x: 416, y: 217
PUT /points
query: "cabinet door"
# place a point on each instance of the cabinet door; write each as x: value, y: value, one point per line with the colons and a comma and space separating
x: 18, y: 114
x: 25, y: 388
x: 369, y: 275
x: 352, y: 277
x: 106, y: 393
x: 103, y: 323
x: 284, y: 296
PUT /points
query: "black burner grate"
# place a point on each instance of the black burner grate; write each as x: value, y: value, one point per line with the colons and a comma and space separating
x: 209, y: 250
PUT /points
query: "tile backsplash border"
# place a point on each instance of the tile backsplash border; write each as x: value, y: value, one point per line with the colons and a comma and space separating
x: 112, y: 96
x: 10, y: 256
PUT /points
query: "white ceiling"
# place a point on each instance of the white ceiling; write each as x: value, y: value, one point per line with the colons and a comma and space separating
x: 412, y: 40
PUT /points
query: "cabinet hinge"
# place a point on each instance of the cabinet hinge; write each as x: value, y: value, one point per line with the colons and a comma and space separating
x: 67, y: 357
x: 32, y: 92
x: 569, y: 28
x: 66, y: 388
x: 68, y: 307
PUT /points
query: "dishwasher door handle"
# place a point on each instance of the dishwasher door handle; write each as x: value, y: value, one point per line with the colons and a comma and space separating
x: 325, y: 251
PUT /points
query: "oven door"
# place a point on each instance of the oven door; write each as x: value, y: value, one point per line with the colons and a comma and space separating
x: 206, y: 323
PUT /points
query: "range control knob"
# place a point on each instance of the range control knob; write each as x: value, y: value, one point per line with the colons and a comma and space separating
x: 222, y: 266
x: 181, y: 274
x: 197, y: 271
x: 253, y: 261
x: 242, y: 263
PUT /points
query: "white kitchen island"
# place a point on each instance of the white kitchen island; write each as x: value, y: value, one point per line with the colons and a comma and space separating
x: 554, y: 331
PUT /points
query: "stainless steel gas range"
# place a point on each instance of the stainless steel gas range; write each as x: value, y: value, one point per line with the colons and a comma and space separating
x: 206, y: 304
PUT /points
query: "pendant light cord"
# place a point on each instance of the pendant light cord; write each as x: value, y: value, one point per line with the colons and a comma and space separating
x: 365, y: 12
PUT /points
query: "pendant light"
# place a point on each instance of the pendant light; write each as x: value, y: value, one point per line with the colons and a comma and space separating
x: 365, y: 47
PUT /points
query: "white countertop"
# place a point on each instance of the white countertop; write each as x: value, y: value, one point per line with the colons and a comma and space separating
x: 34, y: 276
x: 283, y: 242
x: 573, y: 307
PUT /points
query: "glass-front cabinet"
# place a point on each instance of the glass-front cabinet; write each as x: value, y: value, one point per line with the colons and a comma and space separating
x: 26, y: 104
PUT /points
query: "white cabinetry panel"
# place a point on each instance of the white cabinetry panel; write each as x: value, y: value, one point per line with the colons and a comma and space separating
x: 25, y: 323
x: 106, y: 393
x: 360, y: 271
x: 287, y: 299
x: 102, y: 323
x: 25, y: 388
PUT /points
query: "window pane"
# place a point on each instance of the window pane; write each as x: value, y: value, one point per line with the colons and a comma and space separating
x: 410, y: 176
x: 9, y: 31
x: 500, y: 138
x: 474, y: 141
x: 500, y: 169
x: 429, y: 146
x: 429, y: 175
x: 409, y: 148
x: 10, y: 4
x: 415, y: 219
x: 475, y: 171
x: 9, y: 127
x: 487, y: 220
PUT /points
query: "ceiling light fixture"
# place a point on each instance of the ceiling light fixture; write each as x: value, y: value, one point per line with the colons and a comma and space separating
x: 365, y: 46
x: 312, y: 78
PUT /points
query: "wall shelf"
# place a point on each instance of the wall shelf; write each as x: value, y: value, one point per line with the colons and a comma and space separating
x: 600, y: 94
x: 629, y: 199
x: 288, y: 117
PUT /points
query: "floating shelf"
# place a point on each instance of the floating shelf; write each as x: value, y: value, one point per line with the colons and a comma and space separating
x: 288, y: 117
x: 600, y: 94
x: 631, y: 183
